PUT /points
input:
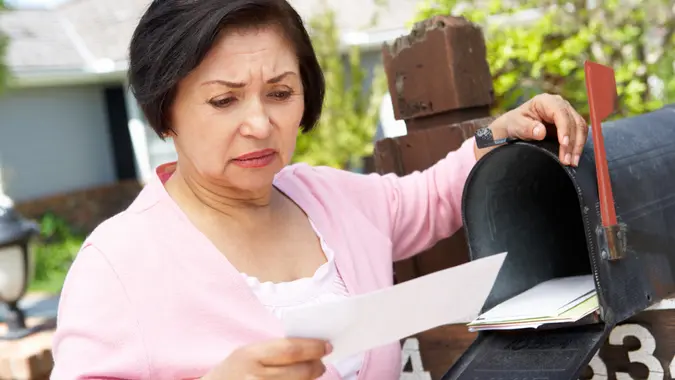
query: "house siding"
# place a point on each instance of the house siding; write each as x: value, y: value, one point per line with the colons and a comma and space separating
x: 54, y: 140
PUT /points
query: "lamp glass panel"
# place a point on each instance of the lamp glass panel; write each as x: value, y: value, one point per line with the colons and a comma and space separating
x: 12, y: 272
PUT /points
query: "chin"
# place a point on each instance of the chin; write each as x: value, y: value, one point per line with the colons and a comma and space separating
x: 260, y: 185
x: 255, y: 179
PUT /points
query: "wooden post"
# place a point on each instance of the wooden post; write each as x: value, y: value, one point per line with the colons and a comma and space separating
x: 441, y: 86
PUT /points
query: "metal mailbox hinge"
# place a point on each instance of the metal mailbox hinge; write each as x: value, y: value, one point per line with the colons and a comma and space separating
x: 612, y: 241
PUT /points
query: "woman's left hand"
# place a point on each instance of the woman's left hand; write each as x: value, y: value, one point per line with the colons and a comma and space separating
x: 527, y: 123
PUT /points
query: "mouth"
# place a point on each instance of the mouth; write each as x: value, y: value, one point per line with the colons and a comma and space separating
x: 256, y: 159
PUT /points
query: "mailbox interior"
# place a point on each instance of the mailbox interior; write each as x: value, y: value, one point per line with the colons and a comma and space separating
x: 520, y: 199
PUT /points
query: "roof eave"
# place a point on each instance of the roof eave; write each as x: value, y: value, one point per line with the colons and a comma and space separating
x: 110, y: 72
x: 59, y: 79
x: 372, y: 40
x: 116, y: 73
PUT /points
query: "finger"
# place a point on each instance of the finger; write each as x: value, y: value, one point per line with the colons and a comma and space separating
x: 582, y: 136
x: 290, y: 351
x: 554, y: 109
x: 300, y: 371
x: 571, y: 126
x: 526, y: 128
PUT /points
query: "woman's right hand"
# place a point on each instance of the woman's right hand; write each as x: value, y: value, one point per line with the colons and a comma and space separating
x: 280, y: 359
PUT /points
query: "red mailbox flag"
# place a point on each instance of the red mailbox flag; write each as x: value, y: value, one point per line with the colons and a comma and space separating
x: 602, y: 97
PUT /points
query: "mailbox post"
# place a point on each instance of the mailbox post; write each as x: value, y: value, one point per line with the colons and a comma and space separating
x: 426, y: 86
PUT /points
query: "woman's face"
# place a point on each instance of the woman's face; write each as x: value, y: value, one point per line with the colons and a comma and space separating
x: 236, y: 116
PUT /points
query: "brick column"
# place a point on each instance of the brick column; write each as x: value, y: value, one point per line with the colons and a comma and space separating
x: 440, y: 84
x: 438, y: 74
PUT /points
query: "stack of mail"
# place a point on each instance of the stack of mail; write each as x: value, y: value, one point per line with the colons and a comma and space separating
x: 560, y: 300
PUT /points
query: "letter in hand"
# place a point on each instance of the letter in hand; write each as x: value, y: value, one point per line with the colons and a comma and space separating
x: 280, y: 359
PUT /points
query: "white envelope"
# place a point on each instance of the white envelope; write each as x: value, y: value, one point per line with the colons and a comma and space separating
x: 363, y: 322
x: 547, y: 299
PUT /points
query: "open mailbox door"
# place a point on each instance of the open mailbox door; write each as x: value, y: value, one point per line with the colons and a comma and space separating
x: 612, y: 217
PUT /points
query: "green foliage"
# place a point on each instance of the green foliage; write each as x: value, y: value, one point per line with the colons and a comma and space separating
x: 345, y: 132
x: 55, y: 250
x: 4, y: 73
x: 547, y: 54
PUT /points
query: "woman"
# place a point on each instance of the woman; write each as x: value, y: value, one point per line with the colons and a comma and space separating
x: 193, y: 279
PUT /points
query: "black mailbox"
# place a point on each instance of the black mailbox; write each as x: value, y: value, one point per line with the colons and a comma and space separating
x: 558, y: 221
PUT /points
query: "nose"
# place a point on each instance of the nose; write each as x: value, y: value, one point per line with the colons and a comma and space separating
x: 256, y: 122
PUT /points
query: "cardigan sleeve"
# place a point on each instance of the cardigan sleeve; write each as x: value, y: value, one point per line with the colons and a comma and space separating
x: 97, y: 334
x: 416, y: 210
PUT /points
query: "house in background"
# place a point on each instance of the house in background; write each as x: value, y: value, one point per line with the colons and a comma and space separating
x: 68, y: 124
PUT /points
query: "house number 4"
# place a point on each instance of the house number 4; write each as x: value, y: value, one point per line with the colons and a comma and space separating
x: 411, y: 354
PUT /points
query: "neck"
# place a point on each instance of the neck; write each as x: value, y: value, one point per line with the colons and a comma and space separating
x: 221, y: 203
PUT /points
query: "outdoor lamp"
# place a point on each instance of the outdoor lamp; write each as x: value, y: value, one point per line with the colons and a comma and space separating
x: 16, y: 266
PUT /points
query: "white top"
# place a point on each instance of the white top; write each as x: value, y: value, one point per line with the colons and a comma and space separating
x: 326, y: 285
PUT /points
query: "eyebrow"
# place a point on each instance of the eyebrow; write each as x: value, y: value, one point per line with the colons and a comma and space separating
x: 276, y: 79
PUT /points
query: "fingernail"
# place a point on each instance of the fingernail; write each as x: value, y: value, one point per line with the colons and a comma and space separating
x: 576, y: 160
x: 568, y: 158
x: 538, y: 131
x: 329, y: 348
x: 566, y: 140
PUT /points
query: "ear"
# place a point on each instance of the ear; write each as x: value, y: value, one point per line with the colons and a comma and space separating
x: 169, y: 133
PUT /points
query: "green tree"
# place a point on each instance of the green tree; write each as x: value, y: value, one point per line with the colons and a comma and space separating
x: 547, y: 54
x: 347, y: 126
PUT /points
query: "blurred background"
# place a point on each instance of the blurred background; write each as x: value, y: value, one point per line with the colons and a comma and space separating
x: 75, y: 148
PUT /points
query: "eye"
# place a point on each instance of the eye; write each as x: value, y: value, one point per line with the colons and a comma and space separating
x: 222, y: 102
x: 281, y: 94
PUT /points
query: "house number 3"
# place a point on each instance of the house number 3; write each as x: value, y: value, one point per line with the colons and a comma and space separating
x: 643, y: 355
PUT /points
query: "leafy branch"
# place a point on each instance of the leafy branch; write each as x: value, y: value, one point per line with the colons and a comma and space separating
x: 4, y: 71
x: 345, y: 131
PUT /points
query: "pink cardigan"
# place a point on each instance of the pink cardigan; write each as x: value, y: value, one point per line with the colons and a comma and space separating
x: 149, y: 297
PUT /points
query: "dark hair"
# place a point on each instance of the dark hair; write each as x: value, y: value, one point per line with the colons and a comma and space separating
x: 173, y: 37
